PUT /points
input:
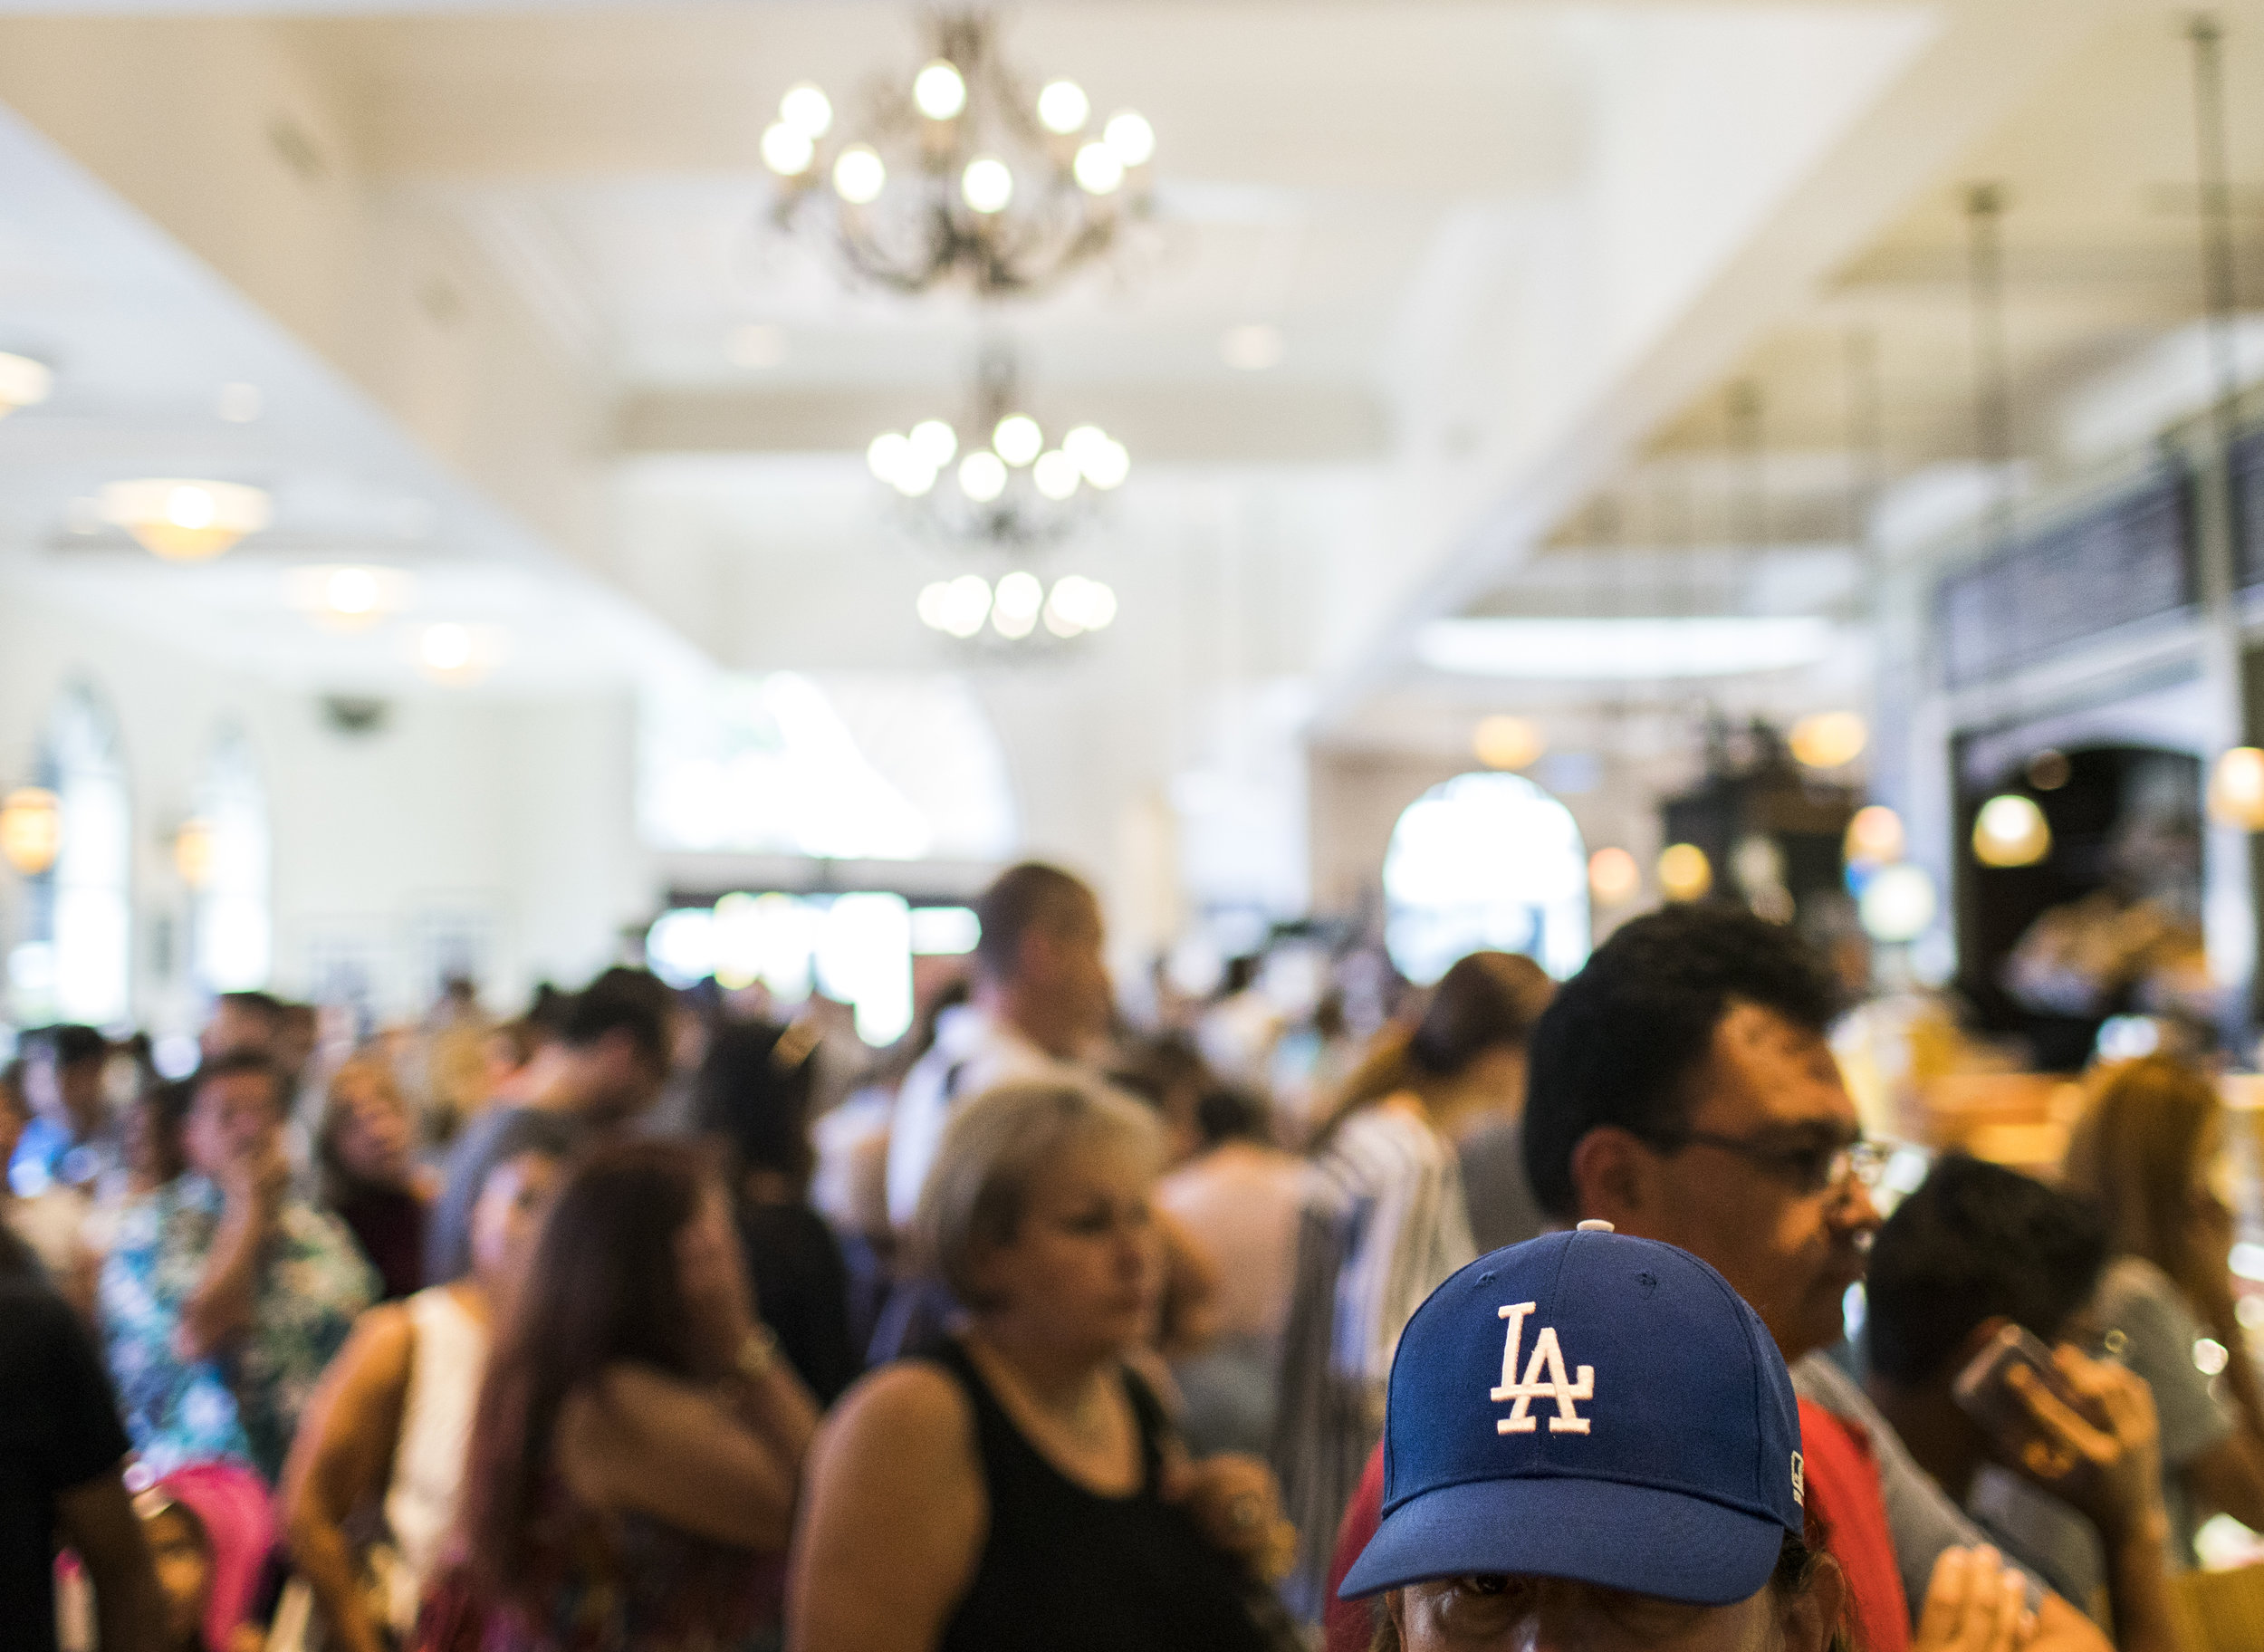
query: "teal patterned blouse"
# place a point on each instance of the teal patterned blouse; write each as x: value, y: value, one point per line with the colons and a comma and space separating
x: 244, y: 1403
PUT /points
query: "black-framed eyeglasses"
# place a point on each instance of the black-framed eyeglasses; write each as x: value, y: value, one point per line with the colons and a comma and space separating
x: 1808, y: 1166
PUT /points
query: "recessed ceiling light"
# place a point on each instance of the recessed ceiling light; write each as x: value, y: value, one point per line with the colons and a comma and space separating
x: 1251, y: 348
x: 755, y: 344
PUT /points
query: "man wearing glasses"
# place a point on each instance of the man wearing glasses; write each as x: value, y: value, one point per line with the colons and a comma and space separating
x: 1682, y: 1090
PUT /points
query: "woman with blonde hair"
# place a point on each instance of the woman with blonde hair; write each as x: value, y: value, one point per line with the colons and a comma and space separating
x: 2145, y: 1151
x: 1023, y: 1487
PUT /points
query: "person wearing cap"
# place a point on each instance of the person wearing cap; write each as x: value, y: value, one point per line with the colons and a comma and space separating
x: 1591, y: 1442
x: 1681, y: 1087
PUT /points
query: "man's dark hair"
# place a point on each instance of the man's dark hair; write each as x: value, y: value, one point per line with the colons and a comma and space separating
x: 1976, y: 1242
x: 632, y: 1000
x: 228, y: 1064
x: 265, y: 1005
x: 1228, y: 1112
x: 68, y: 1045
x: 1019, y: 899
x: 1622, y: 1041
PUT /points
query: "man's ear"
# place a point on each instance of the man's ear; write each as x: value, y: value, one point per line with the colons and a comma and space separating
x: 1811, y: 1618
x: 1610, y: 1177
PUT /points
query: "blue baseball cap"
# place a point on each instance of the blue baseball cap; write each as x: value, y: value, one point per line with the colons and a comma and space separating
x: 1593, y: 1407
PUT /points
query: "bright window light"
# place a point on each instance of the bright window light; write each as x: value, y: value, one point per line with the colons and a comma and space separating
x: 1601, y: 650
x: 945, y: 932
x: 1485, y: 861
x: 680, y: 946
x: 864, y: 958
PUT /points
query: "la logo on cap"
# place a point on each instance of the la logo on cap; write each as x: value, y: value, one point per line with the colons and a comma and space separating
x: 1544, y: 1380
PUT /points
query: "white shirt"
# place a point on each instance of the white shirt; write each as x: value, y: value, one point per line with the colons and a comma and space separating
x: 972, y: 1053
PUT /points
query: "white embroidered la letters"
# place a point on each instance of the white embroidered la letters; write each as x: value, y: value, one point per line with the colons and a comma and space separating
x: 1544, y: 1380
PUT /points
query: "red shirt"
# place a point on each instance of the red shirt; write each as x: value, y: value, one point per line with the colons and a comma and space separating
x: 1846, y: 1517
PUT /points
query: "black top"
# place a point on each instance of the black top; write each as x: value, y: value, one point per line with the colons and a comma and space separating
x: 801, y: 1288
x: 389, y: 1225
x: 58, y: 1429
x: 1063, y: 1567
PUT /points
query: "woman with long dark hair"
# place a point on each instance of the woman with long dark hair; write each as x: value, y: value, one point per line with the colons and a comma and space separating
x: 638, y: 1442
x: 2145, y: 1151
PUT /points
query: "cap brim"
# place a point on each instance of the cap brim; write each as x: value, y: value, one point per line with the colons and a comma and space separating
x: 1635, y: 1538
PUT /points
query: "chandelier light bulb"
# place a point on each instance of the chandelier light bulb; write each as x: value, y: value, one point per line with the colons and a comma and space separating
x: 982, y: 475
x: 860, y: 174
x: 1083, y: 440
x: 933, y: 606
x: 24, y: 383
x: 987, y: 186
x: 1018, y: 439
x: 1098, y: 170
x: 2011, y: 831
x: 939, y: 90
x: 787, y: 150
x: 1056, y: 475
x: 969, y: 605
x: 1130, y: 137
x: 807, y: 110
x: 1105, y: 465
x: 887, y: 453
x: 914, y: 476
x: 935, y: 442
x: 1015, y: 605
x: 1063, y: 107
x: 1078, y: 604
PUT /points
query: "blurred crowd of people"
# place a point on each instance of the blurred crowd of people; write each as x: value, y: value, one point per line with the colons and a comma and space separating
x: 664, y: 1321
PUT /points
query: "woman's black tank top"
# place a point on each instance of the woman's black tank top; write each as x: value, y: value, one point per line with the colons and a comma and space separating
x: 1063, y: 1567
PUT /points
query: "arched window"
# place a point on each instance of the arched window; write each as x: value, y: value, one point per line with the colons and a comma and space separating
x: 231, y: 930
x: 1485, y: 861
x: 74, y: 961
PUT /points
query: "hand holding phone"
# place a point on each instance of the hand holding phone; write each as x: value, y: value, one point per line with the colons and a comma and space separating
x: 2083, y: 1429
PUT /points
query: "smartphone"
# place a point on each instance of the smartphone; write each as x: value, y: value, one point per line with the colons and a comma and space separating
x: 1984, y: 1392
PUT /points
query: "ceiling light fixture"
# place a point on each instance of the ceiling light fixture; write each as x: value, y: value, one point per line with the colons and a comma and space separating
x: 1685, y: 872
x: 1019, y: 614
x: 458, y: 655
x: 1612, y: 650
x: 31, y: 829
x: 347, y: 597
x: 2011, y: 831
x: 2236, y: 789
x: 1613, y: 876
x: 967, y: 181
x: 1008, y: 490
x: 185, y: 521
x: 24, y: 383
x: 1504, y: 741
x: 1828, y: 739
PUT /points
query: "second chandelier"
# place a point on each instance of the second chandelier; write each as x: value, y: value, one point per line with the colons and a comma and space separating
x: 966, y: 179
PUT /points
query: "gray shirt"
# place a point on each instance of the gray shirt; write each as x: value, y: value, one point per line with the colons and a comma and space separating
x: 1920, y: 1515
x: 2159, y: 1335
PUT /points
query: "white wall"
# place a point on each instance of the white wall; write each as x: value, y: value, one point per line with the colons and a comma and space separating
x: 513, y: 817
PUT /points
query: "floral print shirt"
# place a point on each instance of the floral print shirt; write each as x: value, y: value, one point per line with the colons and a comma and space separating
x: 244, y: 1402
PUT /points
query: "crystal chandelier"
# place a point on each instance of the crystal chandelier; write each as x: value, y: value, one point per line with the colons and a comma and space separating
x: 962, y: 177
x: 1019, y: 616
x: 1006, y: 488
